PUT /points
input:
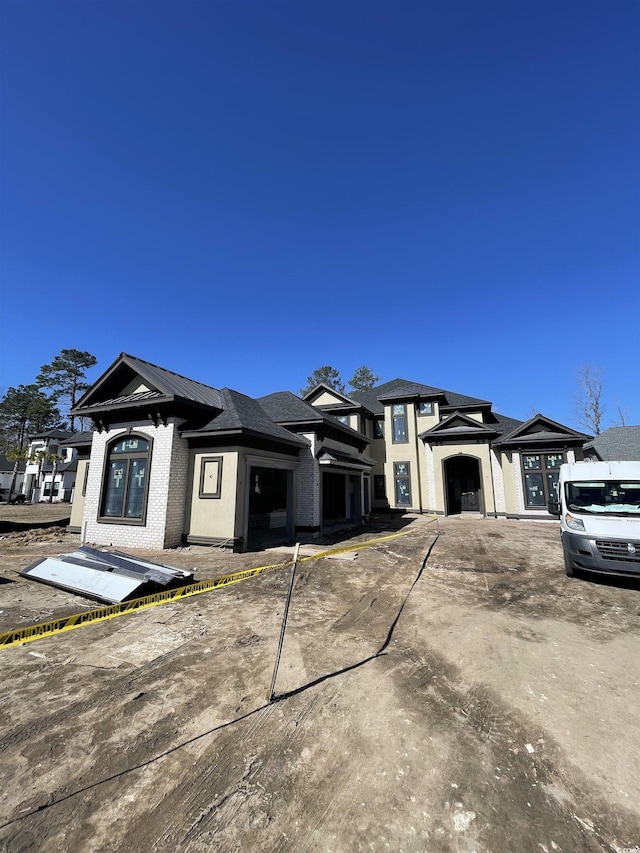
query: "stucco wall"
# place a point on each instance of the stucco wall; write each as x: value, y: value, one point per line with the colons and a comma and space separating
x: 404, y: 452
x: 327, y: 399
x: 206, y: 516
x: 477, y: 451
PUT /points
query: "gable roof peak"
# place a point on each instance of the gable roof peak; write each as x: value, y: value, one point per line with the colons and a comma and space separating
x: 324, y: 386
x: 168, y: 386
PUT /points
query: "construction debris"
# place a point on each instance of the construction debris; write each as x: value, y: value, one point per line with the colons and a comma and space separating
x: 110, y: 576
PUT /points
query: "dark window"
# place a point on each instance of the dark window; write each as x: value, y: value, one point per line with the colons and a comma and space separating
x: 403, y: 483
x: 379, y: 487
x: 126, y: 479
x: 84, y: 481
x: 425, y: 408
x: 399, y: 418
x: 378, y: 429
x: 541, y: 472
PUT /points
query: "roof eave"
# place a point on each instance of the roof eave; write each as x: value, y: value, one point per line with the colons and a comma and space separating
x: 240, y: 431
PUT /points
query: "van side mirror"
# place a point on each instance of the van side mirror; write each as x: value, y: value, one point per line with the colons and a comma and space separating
x: 553, y: 507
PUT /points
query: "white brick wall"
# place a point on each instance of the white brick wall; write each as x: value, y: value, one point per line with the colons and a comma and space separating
x: 177, y: 492
x: 308, y: 486
x: 517, y: 476
x: 431, y: 478
x: 166, y: 495
x: 498, y: 482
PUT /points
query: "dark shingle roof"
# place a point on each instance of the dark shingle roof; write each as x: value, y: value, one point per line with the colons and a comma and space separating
x: 52, y: 433
x: 405, y: 388
x: 244, y: 414
x: 79, y: 439
x: 617, y: 444
x: 7, y: 464
x: 504, y: 424
x: 284, y: 407
x: 457, y: 401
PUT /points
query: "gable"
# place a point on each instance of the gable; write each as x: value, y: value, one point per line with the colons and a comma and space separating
x: 542, y: 430
x: 325, y: 395
x: 327, y: 398
x: 131, y: 382
x: 458, y: 427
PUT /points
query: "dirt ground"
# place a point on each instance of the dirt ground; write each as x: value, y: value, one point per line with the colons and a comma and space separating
x: 436, y: 693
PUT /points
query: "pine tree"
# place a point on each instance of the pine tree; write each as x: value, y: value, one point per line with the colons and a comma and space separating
x: 65, y: 376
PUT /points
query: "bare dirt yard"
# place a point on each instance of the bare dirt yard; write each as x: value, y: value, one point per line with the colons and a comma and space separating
x: 436, y: 693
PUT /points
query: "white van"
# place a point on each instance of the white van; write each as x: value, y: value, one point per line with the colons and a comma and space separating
x: 599, y: 508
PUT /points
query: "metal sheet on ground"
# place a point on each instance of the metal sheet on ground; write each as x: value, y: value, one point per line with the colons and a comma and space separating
x: 106, y: 586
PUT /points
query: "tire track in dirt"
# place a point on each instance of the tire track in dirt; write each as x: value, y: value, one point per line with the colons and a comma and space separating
x: 227, y: 779
x: 503, y: 773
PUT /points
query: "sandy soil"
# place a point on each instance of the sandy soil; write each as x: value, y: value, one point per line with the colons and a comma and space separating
x: 30, y: 514
x: 450, y: 693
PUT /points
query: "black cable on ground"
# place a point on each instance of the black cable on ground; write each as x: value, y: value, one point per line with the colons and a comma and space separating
x: 381, y: 652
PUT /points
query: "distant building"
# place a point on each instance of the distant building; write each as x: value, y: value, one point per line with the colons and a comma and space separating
x: 6, y: 474
x: 40, y: 478
x: 172, y: 460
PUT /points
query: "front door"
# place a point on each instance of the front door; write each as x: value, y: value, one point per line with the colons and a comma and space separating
x: 463, y: 485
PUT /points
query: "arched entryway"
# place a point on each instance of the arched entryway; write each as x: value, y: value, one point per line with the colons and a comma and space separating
x: 463, y: 485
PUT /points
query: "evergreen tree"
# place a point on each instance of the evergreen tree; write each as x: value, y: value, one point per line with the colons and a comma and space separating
x: 326, y: 375
x: 363, y: 379
x: 25, y: 411
x: 65, y: 376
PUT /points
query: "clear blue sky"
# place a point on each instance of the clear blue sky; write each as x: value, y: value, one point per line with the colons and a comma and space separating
x: 245, y: 191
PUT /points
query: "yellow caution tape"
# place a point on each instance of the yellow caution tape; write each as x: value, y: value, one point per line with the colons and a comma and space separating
x: 110, y: 611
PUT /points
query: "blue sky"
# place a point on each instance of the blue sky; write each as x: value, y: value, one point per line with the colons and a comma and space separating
x: 244, y: 191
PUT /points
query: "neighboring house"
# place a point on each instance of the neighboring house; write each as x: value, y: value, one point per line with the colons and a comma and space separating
x: 40, y: 479
x: 441, y: 452
x: 621, y: 444
x: 6, y: 475
x: 172, y: 460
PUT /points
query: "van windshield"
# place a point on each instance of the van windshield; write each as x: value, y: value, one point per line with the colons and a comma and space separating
x: 604, y: 498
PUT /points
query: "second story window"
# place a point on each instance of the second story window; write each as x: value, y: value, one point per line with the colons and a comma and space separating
x: 378, y: 428
x: 399, y: 419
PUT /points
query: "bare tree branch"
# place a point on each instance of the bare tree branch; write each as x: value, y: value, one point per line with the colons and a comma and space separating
x: 588, y: 403
x: 622, y: 416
